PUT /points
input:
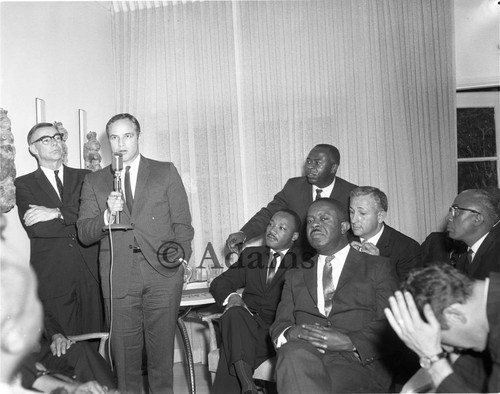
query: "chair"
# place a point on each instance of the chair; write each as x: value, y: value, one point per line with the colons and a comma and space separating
x: 103, y: 336
x: 265, y: 371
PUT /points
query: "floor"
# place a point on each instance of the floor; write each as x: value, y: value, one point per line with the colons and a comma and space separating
x: 203, y: 380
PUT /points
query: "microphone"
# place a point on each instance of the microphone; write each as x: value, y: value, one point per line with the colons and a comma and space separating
x: 117, y: 163
x: 117, y: 167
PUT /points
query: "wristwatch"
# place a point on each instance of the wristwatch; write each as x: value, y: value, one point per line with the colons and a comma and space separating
x: 427, y: 362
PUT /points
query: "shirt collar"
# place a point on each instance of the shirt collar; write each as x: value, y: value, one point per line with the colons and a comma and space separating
x: 478, y: 243
x: 326, y: 191
x: 49, y: 173
x: 375, y: 238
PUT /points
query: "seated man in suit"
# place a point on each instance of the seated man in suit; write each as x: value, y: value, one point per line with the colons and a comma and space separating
x: 473, y: 218
x: 440, y: 306
x: 368, y: 209
x: 298, y: 193
x: 330, y: 328
x: 246, y: 320
x: 438, y: 247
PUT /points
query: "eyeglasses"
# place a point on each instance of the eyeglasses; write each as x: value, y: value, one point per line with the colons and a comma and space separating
x: 453, y: 211
x: 47, y: 139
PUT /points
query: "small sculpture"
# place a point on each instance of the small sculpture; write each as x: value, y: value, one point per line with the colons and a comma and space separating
x: 59, y: 126
x: 91, y: 152
x: 7, y: 167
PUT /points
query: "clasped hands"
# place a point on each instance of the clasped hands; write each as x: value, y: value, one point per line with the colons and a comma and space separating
x: 323, y: 338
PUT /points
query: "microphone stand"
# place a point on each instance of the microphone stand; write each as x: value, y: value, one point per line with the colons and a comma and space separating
x: 117, y: 226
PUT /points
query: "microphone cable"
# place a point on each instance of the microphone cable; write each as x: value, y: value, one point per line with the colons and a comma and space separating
x: 110, y: 292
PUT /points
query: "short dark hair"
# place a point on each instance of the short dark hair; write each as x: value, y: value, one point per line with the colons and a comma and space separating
x: 489, y: 200
x: 378, y: 195
x: 118, y: 117
x: 39, y: 126
x: 296, y: 219
x: 439, y: 285
x: 332, y: 151
x: 339, y: 208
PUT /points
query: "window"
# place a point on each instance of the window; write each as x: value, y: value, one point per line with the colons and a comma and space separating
x: 478, y: 123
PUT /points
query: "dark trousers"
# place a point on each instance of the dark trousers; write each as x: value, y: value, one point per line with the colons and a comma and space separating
x: 146, y: 317
x: 81, y: 361
x: 80, y: 311
x: 301, y: 368
x: 244, y: 337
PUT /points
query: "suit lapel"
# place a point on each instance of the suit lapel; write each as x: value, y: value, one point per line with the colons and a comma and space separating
x: 140, y: 186
x: 265, y: 255
x: 384, y: 240
x: 348, y: 271
x: 483, y: 249
x: 310, y: 276
x: 47, y: 187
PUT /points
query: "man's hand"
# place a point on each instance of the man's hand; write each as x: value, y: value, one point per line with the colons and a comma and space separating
x: 421, y: 337
x: 60, y: 344
x: 325, y: 338
x: 235, y: 239
x: 38, y: 213
x: 114, y: 204
x: 366, y: 247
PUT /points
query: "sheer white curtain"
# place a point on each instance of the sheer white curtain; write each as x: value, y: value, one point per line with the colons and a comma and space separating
x: 237, y: 93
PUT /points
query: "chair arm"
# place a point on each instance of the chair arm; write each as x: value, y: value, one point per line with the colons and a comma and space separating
x: 209, y: 320
x: 103, y: 336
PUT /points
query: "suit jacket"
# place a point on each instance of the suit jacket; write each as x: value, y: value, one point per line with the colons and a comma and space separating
x: 160, y: 214
x: 250, y: 273
x: 362, y: 293
x: 56, y: 254
x: 402, y: 251
x: 455, y: 383
x: 297, y: 196
x: 487, y: 258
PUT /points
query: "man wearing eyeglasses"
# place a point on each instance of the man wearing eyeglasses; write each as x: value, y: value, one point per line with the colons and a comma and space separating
x: 48, y: 202
x: 473, y: 219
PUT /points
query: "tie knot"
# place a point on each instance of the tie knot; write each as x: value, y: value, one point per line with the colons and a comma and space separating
x: 318, y: 193
x: 127, y: 169
x: 329, y: 259
x: 56, y: 172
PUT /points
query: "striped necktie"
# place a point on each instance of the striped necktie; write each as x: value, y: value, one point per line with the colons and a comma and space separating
x: 328, y: 286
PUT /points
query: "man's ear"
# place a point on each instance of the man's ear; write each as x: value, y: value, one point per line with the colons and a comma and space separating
x: 334, y: 168
x: 32, y: 149
x: 454, y: 315
x: 381, y: 215
x: 295, y: 236
x: 344, y: 227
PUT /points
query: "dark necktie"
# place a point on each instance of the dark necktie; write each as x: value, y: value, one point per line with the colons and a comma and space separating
x: 128, y: 190
x: 469, y: 256
x: 318, y: 193
x: 328, y: 286
x: 59, y: 184
x: 271, y: 268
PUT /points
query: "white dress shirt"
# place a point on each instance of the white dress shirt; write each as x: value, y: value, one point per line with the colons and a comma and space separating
x: 325, y: 191
x: 51, y: 176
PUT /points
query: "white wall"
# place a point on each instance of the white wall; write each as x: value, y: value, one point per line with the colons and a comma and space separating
x: 477, y: 43
x: 60, y: 52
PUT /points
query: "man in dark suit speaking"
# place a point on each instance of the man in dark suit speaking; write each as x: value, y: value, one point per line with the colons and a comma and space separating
x: 298, y: 193
x: 145, y: 293
x: 67, y: 273
x: 260, y: 271
x: 330, y: 327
